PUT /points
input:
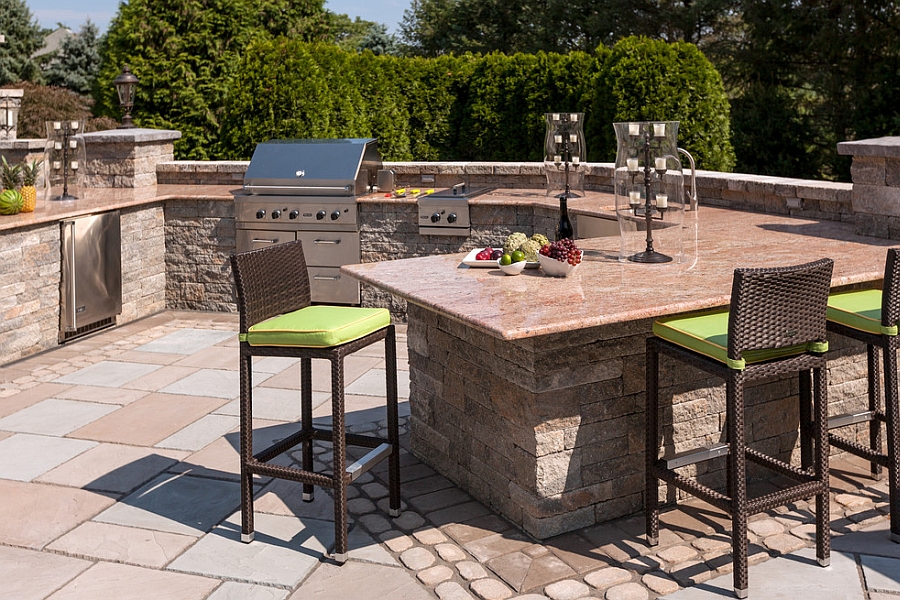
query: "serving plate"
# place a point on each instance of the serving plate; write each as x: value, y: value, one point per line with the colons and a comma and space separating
x: 470, y: 261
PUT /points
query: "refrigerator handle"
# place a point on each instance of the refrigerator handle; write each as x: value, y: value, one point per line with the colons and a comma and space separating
x: 70, y: 276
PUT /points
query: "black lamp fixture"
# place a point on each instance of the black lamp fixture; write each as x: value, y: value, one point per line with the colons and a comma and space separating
x: 126, y: 84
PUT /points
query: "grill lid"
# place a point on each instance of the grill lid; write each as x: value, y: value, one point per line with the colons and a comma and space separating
x: 334, y: 167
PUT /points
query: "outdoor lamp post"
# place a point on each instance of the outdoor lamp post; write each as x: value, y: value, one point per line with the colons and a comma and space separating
x: 126, y: 84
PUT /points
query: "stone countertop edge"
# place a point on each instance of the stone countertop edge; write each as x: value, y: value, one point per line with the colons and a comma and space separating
x: 96, y: 200
x: 605, y: 291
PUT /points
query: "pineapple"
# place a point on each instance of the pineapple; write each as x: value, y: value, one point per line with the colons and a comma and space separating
x: 29, y: 178
x: 10, y: 174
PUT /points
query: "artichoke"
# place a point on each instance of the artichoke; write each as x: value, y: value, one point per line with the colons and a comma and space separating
x: 541, y: 239
x: 513, y: 242
x: 531, y: 248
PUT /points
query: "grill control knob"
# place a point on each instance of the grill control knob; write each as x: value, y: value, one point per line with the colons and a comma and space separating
x: 276, y: 213
x: 335, y: 215
x: 260, y: 214
x: 320, y: 215
x: 435, y: 217
x: 451, y: 218
x: 294, y: 214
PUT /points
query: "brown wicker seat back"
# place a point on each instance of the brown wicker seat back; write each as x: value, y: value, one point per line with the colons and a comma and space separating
x: 270, y: 281
x: 778, y: 307
x: 890, y: 295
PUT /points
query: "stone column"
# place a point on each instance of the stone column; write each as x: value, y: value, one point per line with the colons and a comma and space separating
x: 876, y: 185
x: 126, y: 158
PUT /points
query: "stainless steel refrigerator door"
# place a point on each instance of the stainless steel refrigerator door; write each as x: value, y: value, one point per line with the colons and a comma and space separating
x: 91, y: 283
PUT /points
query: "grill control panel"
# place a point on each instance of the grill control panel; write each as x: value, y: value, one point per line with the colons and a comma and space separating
x: 297, y: 212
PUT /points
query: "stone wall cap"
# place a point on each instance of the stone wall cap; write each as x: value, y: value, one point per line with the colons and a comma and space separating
x: 883, y: 146
x: 7, y: 93
x: 137, y: 135
x: 23, y: 144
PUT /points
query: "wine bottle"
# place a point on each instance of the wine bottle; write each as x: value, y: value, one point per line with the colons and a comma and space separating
x: 564, y: 227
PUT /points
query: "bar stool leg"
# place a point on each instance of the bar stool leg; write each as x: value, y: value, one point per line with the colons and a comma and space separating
x: 246, y: 428
x: 807, y: 426
x: 339, y: 448
x: 737, y: 458
x: 390, y: 357
x: 820, y: 431
x: 306, y: 422
x: 651, y: 492
x: 875, y: 404
x: 893, y: 434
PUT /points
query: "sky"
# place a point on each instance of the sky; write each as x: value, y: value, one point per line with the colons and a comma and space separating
x: 74, y: 13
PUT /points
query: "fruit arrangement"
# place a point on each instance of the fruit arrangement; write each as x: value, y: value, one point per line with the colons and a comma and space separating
x: 18, y: 184
x: 488, y: 254
x: 529, y: 247
x: 564, y: 250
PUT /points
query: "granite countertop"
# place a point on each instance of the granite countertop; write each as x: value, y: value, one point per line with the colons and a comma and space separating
x: 604, y: 291
x: 94, y: 200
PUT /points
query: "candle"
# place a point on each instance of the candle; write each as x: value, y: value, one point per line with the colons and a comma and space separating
x: 634, y: 197
x: 56, y: 164
x: 73, y: 144
x: 556, y: 116
x: 557, y: 158
x: 56, y: 125
x: 662, y: 201
x: 74, y: 165
x: 57, y: 145
x: 634, y: 129
x: 576, y: 160
x: 573, y: 138
x: 659, y: 129
x: 74, y: 124
x: 557, y: 139
x: 632, y: 164
x: 660, y: 163
x: 9, y: 118
x: 573, y: 117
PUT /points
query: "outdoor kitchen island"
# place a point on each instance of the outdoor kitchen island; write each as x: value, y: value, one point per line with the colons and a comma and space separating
x: 527, y: 391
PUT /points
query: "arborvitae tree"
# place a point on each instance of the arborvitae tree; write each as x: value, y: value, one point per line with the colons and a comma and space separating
x: 184, y: 54
x: 76, y: 65
x: 23, y: 38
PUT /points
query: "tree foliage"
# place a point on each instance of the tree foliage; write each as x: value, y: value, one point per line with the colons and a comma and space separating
x: 42, y: 103
x: 471, y: 107
x: 23, y: 38
x: 184, y: 54
x: 77, y: 63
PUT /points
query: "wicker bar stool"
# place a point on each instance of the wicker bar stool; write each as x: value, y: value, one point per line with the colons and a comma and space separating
x: 277, y: 319
x: 775, y: 326
x: 872, y: 316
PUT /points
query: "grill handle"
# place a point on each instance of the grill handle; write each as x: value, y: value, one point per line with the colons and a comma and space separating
x: 263, y: 241
x: 326, y: 278
x: 342, y: 190
x: 333, y: 242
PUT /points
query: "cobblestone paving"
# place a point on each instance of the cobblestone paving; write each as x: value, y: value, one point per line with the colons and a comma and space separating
x: 458, y: 549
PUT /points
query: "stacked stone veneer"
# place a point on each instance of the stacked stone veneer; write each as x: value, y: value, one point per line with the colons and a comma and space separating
x: 549, y: 431
x: 200, y: 237
x: 126, y: 158
x: 876, y: 185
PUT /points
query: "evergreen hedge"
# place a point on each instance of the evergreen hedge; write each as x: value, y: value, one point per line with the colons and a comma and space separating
x: 473, y: 107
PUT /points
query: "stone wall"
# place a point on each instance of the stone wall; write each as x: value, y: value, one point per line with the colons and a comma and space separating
x: 549, y: 431
x: 126, y: 158
x: 143, y: 262
x: 876, y: 185
x: 29, y: 291
x: 200, y: 237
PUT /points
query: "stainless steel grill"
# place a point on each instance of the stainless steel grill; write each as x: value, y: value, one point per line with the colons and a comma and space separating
x: 446, y: 212
x: 307, y: 190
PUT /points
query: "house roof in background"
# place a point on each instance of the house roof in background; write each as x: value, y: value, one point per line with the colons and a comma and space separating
x: 53, y: 41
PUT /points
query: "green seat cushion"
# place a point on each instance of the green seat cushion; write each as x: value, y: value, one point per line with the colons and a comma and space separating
x: 859, y: 310
x: 317, y: 327
x: 707, y: 334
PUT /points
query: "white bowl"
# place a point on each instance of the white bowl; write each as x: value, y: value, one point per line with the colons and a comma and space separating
x: 555, y: 268
x: 512, y: 269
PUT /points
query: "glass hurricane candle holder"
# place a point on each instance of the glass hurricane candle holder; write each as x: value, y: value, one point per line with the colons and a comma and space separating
x: 649, y: 190
x: 564, y: 153
x: 64, y: 160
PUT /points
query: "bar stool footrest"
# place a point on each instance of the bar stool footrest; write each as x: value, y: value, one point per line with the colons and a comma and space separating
x: 851, y: 418
x: 368, y: 461
x: 690, y: 457
x: 859, y: 450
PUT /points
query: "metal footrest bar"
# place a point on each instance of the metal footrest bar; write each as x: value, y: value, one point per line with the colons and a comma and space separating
x: 368, y: 461
x: 852, y: 418
x: 690, y: 457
